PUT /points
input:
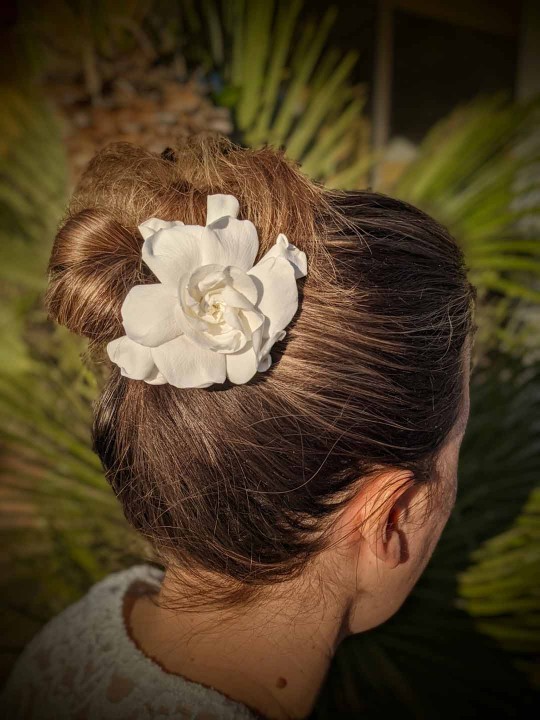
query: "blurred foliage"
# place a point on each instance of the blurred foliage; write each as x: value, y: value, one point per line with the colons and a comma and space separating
x: 30, y: 147
x: 81, y: 34
x: 61, y: 526
x: 286, y: 86
x: 469, y: 175
x: 501, y: 589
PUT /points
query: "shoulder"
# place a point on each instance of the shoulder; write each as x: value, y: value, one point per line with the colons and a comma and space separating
x: 95, y: 612
x: 78, y: 646
x: 82, y: 664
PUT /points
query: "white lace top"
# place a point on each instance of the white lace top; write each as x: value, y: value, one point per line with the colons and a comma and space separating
x: 83, y: 665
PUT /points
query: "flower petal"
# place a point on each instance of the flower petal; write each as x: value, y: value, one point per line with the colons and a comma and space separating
x: 265, y: 357
x: 279, y: 294
x: 135, y: 360
x: 150, y: 314
x: 256, y: 322
x: 204, y: 279
x: 242, y: 366
x: 242, y: 282
x: 219, y: 206
x: 243, y: 288
x: 185, y: 364
x: 171, y: 252
x: 282, y: 247
x: 267, y: 346
x: 156, y: 378
x: 265, y: 363
x: 230, y: 315
x: 237, y: 243
x: 233, y: 298
x: 152, y: 225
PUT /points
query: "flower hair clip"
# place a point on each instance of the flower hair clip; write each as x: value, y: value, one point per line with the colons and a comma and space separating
x: 213, y: 315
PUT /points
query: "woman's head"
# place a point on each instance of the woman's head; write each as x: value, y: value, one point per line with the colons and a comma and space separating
x: 356, y: 424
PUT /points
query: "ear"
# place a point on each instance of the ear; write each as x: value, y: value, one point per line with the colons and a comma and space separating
x: 389, y: 542
x: 382, y: 512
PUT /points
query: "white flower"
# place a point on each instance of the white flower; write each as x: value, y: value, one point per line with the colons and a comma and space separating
x: 213, y: 315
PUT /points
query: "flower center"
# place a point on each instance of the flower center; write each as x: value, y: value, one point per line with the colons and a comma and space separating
x: 212, y: 309
x: 217, y: 309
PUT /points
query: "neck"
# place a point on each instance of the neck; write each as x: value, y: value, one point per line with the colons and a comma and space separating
x: 273, y: 658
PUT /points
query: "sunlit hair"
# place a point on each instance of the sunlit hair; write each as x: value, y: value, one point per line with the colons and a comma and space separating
x: 239, y: 482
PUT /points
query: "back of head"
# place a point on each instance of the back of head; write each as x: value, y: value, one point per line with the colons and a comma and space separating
x: 240, y: 480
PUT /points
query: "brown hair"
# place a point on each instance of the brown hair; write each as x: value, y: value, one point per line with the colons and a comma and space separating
x: 237, y: 479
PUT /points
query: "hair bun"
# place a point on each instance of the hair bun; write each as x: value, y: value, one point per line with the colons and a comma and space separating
x: 94, y: 262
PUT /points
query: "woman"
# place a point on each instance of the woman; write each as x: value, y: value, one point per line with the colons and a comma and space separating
x: 287, y: 396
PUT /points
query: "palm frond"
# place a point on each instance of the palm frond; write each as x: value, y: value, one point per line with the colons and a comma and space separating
x: 60, y: 525
x: 469, y: 174
x: 500, y: 589
x: 290, y: 90
x: 29, y: 211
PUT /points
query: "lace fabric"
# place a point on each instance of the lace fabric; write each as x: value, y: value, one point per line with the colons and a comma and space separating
x: 83, y: 665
